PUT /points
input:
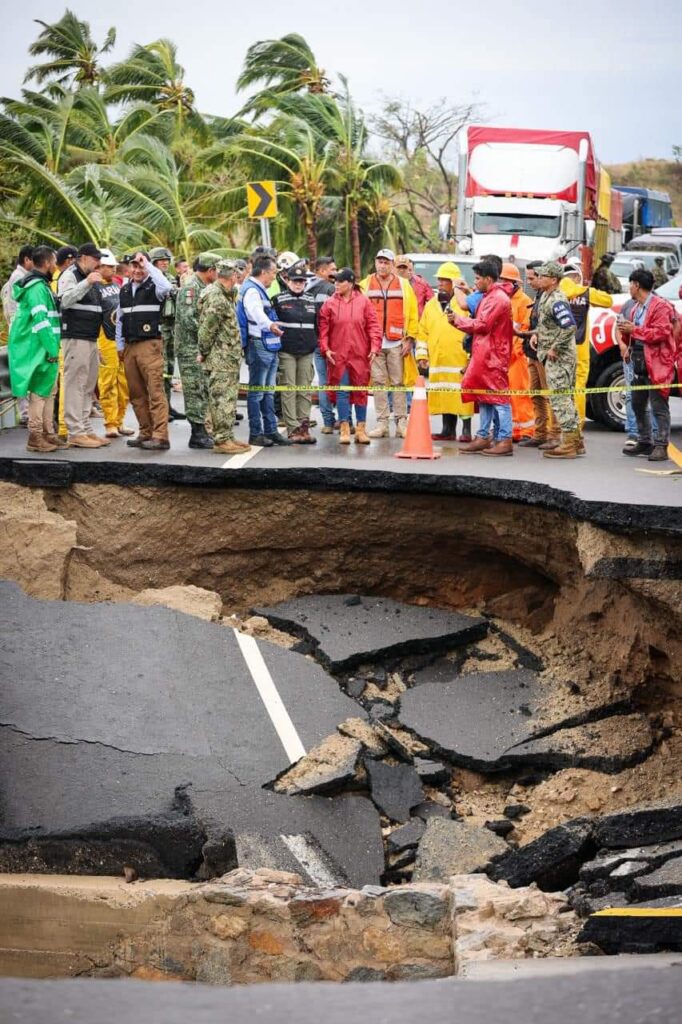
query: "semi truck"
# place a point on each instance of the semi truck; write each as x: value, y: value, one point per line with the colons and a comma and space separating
x: 643, y: 210
x: 526, y: 193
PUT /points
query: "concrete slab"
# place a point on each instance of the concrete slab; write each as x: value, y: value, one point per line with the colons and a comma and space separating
x: 450, y: 848
x: 107, y: 709
x: 347, y: 630
x: 395, y: 789
x: 562, y: 966
x: 606, y: 996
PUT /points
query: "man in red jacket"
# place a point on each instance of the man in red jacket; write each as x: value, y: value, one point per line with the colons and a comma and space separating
x: 647, y: 341
x: 493, y: 332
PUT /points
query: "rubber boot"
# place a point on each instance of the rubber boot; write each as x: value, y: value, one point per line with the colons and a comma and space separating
x: 568, y: 449
x: 39, y: 443
x: 199, y: 438
x: 344, y: 433
x: 174, y: 414
x: 361, y: 436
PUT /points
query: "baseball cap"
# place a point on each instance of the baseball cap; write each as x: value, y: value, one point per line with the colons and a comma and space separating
x: 551, y: 269
x: 401, y: 261
x: 108, y: 258
x: 89, y: 249
x: 160, y: 253
x: 345, y: 274
x: 385, y: 254
x: 65, y: 252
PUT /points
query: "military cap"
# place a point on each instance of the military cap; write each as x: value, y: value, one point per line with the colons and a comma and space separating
x: 160, y: 253
x: 207, y: 260
x: 240, y: 264
x: 225, y: 267
x: 551, y: 269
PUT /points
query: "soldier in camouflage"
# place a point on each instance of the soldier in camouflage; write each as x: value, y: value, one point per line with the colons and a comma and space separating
x: 187, y: 347
x: 555, y: 346
x: 658, y: 270
x: 161, y: 258
x: 220, y: 351
x: 604, y: 278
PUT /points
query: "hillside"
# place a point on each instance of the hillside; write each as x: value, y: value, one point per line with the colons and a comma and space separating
x: 665, y: 175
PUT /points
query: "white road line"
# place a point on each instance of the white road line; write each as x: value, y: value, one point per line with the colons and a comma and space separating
x: 237, y: 461
x: 310, y: 861
x: 279, y: 716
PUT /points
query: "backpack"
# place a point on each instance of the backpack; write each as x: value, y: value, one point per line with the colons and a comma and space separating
x: 270, y: 341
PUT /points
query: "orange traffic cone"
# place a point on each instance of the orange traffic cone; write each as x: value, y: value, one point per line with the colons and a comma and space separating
x: 418, y: 444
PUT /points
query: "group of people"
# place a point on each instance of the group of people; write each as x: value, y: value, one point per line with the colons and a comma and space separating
x: 82, y: 321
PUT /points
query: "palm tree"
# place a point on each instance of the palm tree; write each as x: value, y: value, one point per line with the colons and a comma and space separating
x: 283, y: 66
x: 152, y: 74
x: 74, y: 55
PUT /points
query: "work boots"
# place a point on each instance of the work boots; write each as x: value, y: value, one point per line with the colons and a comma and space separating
x: 231, y: 447
x: 344, y: 433
x: 39, y: 443
x: 500, y: 448
x: 199, y: 437
x: 479, y: 444
x: 381, y: 430
x: 568, y: 449
x: 361, y: 436
x: 56, y: 440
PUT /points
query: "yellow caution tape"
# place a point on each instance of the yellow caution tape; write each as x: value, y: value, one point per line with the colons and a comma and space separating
x: 436, y: 389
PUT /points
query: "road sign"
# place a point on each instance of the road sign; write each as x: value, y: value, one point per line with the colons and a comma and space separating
x: 261, y: 197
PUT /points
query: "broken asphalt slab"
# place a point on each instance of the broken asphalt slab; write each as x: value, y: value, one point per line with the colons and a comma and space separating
x: 648, y: 927
x: 107, y: 709
x: 654, y: 823
x: 454, y: 848
x: 552, y: 861
x: 347, y: 630
x: 395, y: 789
x: 490, y: 721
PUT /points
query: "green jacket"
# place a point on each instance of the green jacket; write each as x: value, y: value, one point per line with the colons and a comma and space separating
x: 34, y: 337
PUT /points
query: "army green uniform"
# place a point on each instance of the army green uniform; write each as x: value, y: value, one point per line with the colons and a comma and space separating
x: 167, y: 328
x: 556, y: 330
x: 220, y: 344
x: 660, y: 276
x: 194, y: 387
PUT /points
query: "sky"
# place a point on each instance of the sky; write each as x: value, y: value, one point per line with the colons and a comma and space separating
x: 606, y: 68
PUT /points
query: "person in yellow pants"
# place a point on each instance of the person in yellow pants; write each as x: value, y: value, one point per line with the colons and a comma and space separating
x: 580, y: 298
x: 111, y: 381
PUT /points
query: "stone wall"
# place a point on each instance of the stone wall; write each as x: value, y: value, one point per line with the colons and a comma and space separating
x: 267, y: 926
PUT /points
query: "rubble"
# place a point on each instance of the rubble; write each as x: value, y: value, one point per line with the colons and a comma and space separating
x: 395, y: 789
x: 205, y: 604
x: 553, y: 861
x: 648, y: 927
x: 454, y: 848
x: 325, y: 769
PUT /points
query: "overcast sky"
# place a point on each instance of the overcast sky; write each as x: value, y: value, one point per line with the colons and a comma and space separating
x: 608, y: 68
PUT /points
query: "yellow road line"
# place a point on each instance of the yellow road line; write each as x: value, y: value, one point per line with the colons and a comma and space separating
x: 675, y: 454
x: 640, y: 912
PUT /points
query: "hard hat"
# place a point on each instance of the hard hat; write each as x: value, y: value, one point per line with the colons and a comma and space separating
x: 160, y: 253
x: 510, y: 272
x: 449, y: 271
x: 286, y: 260
x: 107, y: 258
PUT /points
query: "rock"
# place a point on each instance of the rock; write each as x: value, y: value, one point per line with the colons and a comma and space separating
x: 430, y: 809
x: 653, y: 823
x: 454, y: 847
x: 205, y: 604
x: 348, y: 630
x: 514, y: 811
x: 607, y: 860
x: 406, y: 837
x: 434, y: 772
x: 326, y: 769
x: 395, y: 789
x: 416, y: 908
x: 552, y: 860
x: 381, y: 711
x: 636, y: 933
x: 359, y: 729
x: 35, y: 545
x: 501, y: 827
x: 627, y: 870
x: 584, y: 905
x: 663, y: 882
x: 355, y: 687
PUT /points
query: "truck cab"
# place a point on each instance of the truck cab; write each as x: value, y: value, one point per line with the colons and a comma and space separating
x: 529, y: 229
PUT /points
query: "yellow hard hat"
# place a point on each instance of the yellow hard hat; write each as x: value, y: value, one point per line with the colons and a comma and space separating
x: 450, y: 271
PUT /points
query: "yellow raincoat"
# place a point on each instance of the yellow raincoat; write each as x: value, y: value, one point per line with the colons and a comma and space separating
x: 441, y: 345
x: 570, y: 289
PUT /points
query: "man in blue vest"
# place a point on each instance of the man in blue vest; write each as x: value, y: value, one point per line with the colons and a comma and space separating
x: 82, y: 317
x: 138, y: 333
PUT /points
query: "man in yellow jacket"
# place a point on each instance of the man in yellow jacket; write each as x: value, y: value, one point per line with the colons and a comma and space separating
x: 580, y: 298
x: 440, y: 348
x: 395, y: 305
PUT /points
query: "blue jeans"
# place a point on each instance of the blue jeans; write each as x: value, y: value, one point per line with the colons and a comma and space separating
x: 630, y: 418
x: 495, y: 417
x: 260, y: 405
x: 343, y: 404
x: 326, y: 407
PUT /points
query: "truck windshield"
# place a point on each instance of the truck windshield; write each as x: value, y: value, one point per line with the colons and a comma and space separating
x: 516, y: 224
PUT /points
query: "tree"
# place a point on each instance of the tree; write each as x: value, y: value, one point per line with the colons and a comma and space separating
x: 282, y: 66
x: 422, y: 141
x: 153, y: 75
x: 74, y: 55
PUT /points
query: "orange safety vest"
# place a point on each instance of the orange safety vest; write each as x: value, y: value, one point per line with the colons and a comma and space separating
x: 388, y: 306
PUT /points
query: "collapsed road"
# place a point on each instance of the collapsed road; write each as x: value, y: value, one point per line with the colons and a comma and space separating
x: 385, y: 707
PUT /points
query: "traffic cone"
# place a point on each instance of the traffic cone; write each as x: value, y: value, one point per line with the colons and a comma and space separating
x: 418, y: 444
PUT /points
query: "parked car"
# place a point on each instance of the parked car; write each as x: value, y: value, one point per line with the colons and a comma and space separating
x: 658, y: 240
x: 627, y: 260
x: 427, y: 263
x: 623, y: 266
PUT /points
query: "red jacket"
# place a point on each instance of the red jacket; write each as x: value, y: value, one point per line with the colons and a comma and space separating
x: 350, y: 330
x: 493, y: 333
x: 659, y: 343
x: 422, y: 289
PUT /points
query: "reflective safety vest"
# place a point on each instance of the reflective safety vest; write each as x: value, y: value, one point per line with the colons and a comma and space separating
x: 388, y: 306
x: 140, y: 313
x: 84, y: 318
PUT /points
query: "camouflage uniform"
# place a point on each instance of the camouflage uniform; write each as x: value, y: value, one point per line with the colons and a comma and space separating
x: 220, y: 344
x: 187, y: 349
x: 660, y: 276
x: 556, y: 330
x: 605, y: 280
x: 167, y: 329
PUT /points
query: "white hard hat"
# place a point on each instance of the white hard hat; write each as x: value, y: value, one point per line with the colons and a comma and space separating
x: 286, y: 260
x: 107, y: 258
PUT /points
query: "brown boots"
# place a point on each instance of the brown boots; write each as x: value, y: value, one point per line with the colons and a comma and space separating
x: 479, y: 444
x: 361, y: 435
x: 39, y: 443
x: 500, y: 448
x: 570, y: 448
